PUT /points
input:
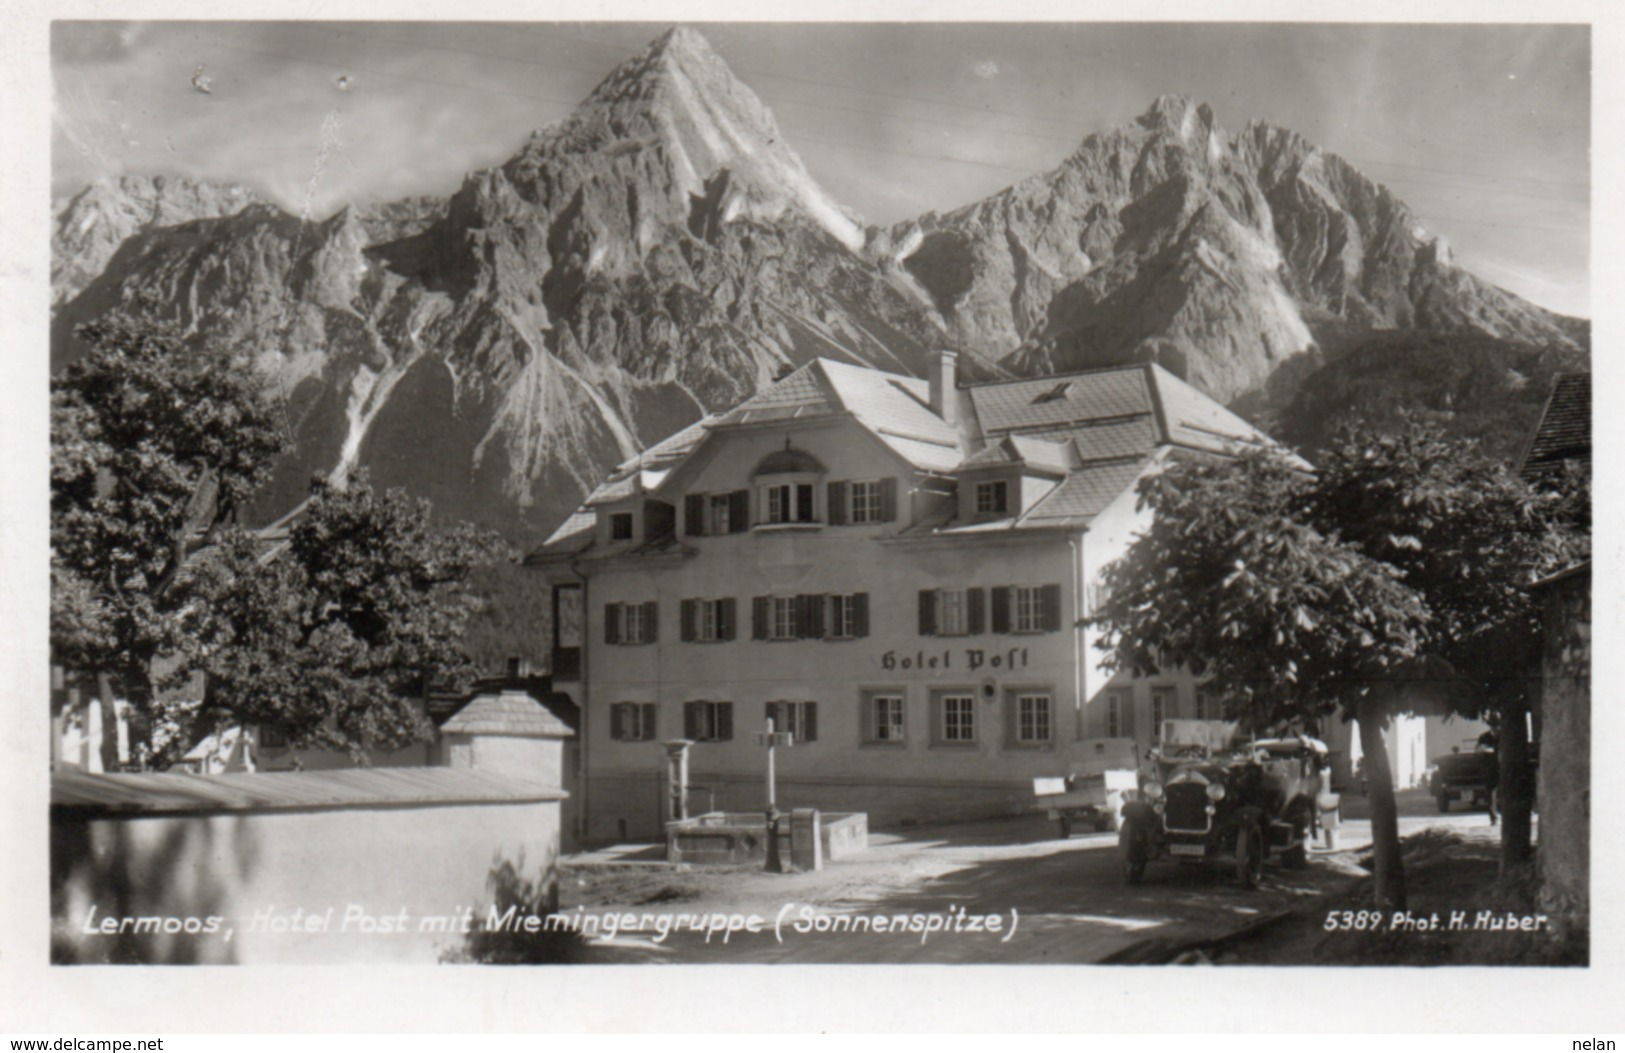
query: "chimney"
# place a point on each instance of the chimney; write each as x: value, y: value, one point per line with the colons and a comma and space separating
x: 944, y: 392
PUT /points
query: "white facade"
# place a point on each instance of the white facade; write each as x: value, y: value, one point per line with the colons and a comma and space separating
x: 900, y: 582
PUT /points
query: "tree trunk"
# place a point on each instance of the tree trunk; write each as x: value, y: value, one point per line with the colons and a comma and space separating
x: 1387, y: 865
x: 1517, y: 785
x: 107, y: 745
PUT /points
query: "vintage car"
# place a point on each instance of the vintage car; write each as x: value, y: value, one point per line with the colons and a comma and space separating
x: 1210, y: 794
x: 1469, y: 776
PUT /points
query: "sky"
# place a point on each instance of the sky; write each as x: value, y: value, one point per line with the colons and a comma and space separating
x: 1483, y: 130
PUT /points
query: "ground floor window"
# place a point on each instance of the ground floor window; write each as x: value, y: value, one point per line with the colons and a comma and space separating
x: 708, y: 721
x: 1118, y: 715
x: 1033, y: 719
x: 958, y: 718
x: 883, y: 722
x: 1207, y: 707
x: 800, y: 719
x: 632, y: 721
x: 1164, y: 706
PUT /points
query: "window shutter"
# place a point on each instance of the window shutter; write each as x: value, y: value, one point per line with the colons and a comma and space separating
x: 837, y: 504
x: 725, y: 721
x: 759, y: 615
x: 772, y: 711
x: 651, y: 622
x: 651, y: 714
x: 1001, y: 608
x: 1050, y: 605
x: 612, y: 623
x: 691, y: 720
x: 738, y: 511
x: 686, y: 617
x: 860, y: 614
x: 725, y: 619
x: 928, y: 612
x: 888, y: 499
x: 804, y: 502
x: 694, y: 514
x: 617, y: 721
x: 810, y: 723
x: 975, y: 611
x: 810, y: 616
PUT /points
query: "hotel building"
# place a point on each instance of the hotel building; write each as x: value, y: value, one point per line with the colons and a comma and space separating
x: 896, y: 570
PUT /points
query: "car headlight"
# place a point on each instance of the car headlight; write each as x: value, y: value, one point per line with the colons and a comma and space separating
x: 1153, y: 789
x: 1215, y: 791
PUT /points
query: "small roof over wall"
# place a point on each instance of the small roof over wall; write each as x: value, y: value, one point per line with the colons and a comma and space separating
x: 151, y: 792
x: 507, y: 713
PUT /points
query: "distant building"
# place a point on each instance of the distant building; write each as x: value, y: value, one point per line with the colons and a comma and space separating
x: 895, y: 570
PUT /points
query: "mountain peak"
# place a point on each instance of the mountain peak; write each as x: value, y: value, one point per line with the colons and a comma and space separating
x: 1178, y: 114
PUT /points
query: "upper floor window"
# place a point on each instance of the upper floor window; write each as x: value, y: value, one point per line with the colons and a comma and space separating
x: 863, y: 501
x: 992, y: 498
x: 952, y: 612
x: 790, y: 503
x: 708, y: 621
x: 1026, y: 608
x: 800, y: 719
x: 849, y: 615
x: 631, y: 623
x: 708, y: 721
x: 620, y: 526
x: 727, y: 512
x: 814, y: 616
x: 632, y: 721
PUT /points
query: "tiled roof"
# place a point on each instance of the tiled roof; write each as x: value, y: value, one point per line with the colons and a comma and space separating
x: 339, y: 788
x: 1564, y: 433
x: 798, y: 395
x: 508, y: 713
x: 1095, y: 429
x: 1086, y: 492
x: 1053, y: 403
x: 1193, y: 419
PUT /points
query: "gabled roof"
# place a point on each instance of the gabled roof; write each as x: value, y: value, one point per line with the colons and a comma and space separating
x: 1564, y: 432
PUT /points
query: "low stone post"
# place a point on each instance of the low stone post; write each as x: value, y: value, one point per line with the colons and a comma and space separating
x: 806, y: 840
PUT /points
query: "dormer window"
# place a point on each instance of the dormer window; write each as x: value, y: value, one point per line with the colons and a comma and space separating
x: 993, y: 498
x: 787, y: 483
x: 620, y: 526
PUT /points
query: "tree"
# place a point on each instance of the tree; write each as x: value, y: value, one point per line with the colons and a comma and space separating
x: 336, y: 638
x: 152, y: 444
x: 1231, y: 580
x: 1398, y: 568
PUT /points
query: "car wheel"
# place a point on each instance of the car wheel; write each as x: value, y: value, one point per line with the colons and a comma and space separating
x: 1102, y: 825
x: 1132, y: 850
x: 1444, y: 804
x: 1066, y: 827
x: 1250, y: 855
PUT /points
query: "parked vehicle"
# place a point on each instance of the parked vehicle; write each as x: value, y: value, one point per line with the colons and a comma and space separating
x: 1464, y: 776
x: 1210, y: 795
x: 1092, y: 791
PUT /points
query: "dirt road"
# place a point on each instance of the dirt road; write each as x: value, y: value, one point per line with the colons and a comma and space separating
x: 935, y: 892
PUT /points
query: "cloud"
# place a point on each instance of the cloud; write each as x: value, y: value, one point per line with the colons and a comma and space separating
x: 987, y: 69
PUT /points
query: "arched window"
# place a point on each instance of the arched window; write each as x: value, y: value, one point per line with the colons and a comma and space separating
x: 787, y: 489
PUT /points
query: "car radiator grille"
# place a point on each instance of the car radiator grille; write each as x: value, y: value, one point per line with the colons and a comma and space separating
x: 1186, y: 807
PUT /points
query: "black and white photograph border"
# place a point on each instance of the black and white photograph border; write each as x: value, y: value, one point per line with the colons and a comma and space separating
x: 752, y: 294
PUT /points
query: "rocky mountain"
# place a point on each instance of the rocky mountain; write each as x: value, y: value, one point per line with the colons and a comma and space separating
x: 664, y: 252
x: 1219, y: 256
x: 660, y: 254
x: 91, y: 225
